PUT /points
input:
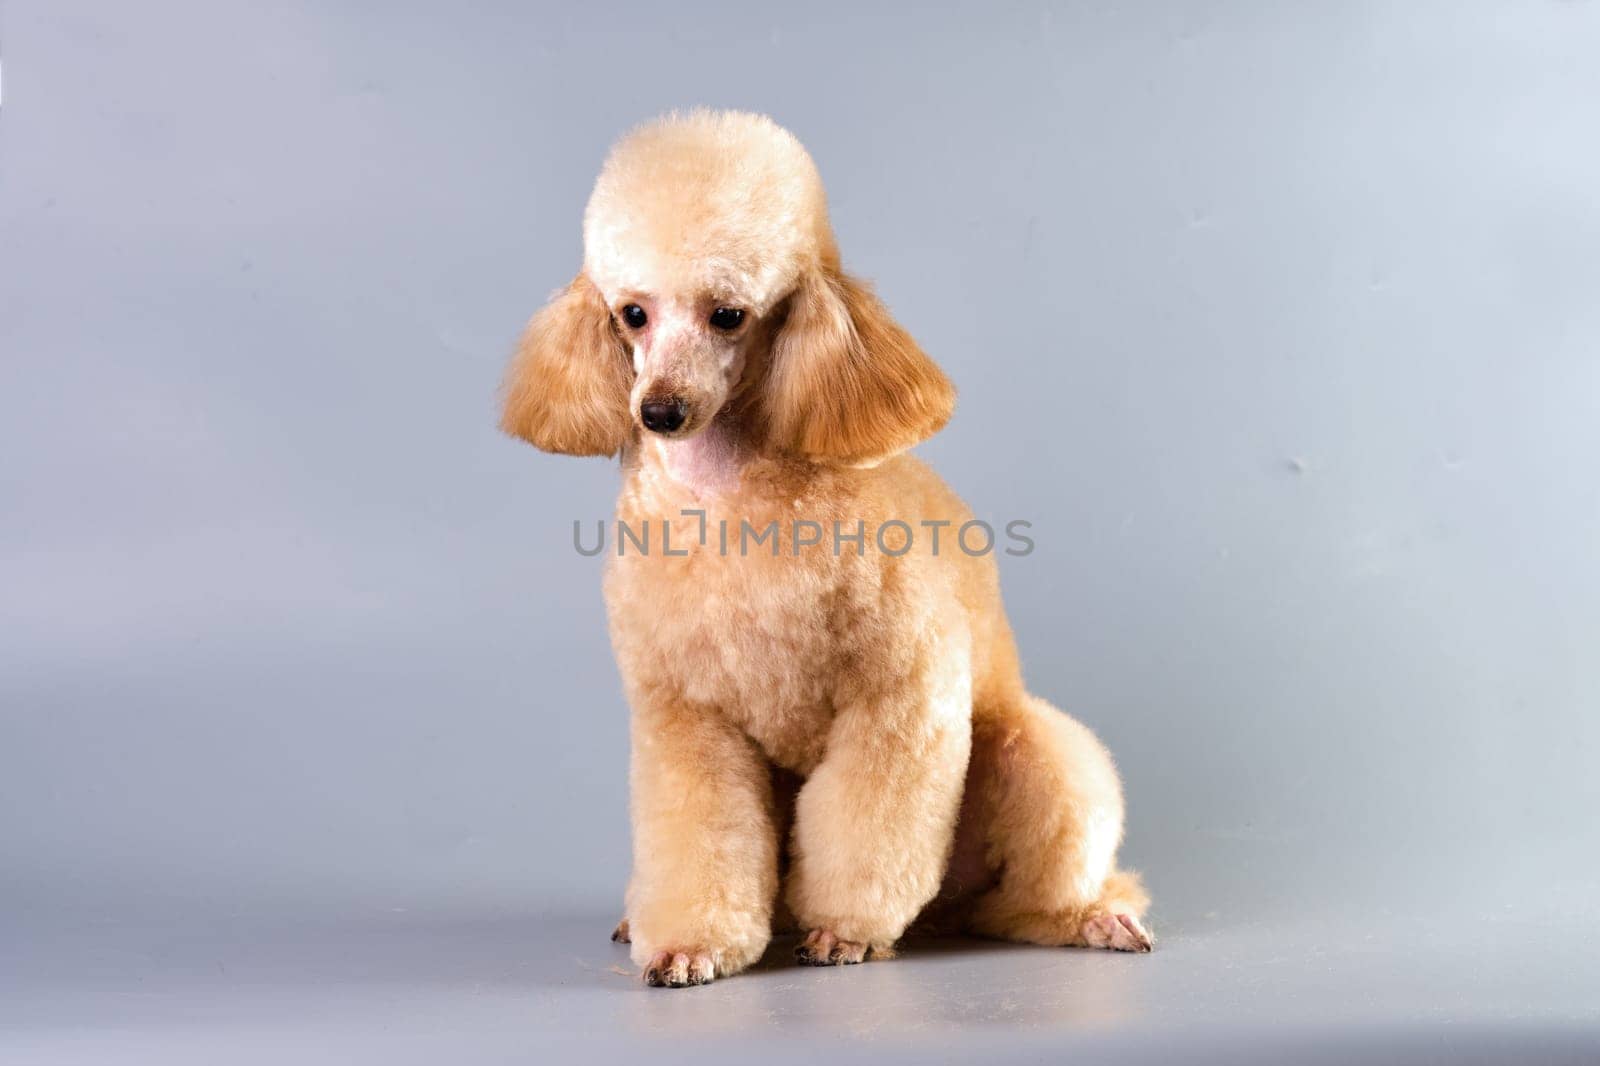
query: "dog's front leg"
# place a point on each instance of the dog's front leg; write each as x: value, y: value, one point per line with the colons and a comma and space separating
x: 705, y: 856
x: 874, y: 823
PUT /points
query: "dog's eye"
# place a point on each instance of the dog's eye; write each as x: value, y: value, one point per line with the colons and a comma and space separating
x: 634, y: 316
x: 727, y: 318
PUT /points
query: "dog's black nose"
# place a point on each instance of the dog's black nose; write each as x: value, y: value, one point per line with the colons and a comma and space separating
x: 662, y: 416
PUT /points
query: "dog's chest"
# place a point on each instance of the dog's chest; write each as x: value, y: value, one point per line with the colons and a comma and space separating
x: 745, y: 632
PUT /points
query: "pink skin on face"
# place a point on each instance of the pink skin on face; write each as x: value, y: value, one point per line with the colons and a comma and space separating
x: 679, y: 356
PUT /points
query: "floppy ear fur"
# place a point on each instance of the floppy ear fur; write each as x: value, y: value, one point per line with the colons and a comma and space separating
x: 567, y: 389
x: 847, y: 384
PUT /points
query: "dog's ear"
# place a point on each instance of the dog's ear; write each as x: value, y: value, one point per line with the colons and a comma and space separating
x: 847, y: 384
x: 567, y: 389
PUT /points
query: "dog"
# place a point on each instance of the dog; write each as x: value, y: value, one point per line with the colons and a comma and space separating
x: 833, y: 741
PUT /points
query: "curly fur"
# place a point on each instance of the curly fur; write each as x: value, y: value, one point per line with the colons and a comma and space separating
x: 931, y: 786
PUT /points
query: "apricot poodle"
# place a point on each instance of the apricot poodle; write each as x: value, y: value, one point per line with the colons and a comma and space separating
x: 829, y: 732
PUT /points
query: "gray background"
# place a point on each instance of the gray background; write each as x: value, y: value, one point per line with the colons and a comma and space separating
x: 1278, y: 321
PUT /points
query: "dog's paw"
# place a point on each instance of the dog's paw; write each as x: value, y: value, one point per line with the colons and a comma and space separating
x: 822, y: 948
x: 680, y: 969
x: 619, y: 935
x: 1118, y: 932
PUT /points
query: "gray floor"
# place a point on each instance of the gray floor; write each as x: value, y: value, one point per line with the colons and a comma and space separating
x: 1477, y: 982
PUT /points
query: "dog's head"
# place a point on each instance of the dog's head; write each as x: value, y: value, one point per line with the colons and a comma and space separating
x: 711, y: 278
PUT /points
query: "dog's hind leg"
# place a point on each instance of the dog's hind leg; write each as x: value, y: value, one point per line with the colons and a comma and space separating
x: 1052, y: 809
